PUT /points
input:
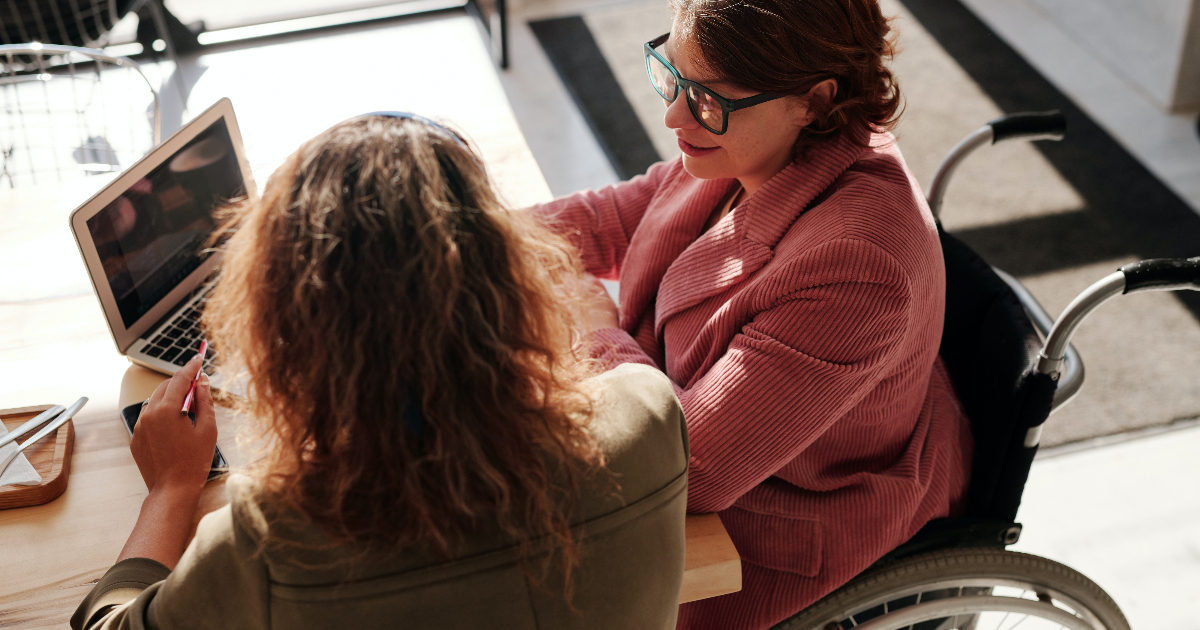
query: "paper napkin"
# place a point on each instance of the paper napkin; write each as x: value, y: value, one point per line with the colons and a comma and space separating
x: 20, y: 472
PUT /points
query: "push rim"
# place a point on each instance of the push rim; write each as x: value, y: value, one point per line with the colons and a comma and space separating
x: 985, y: 579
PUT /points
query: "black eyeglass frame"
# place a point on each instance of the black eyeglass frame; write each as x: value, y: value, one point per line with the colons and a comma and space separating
x: 681, y: 83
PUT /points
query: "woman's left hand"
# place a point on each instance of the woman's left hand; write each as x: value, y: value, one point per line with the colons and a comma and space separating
x: 601, y: 310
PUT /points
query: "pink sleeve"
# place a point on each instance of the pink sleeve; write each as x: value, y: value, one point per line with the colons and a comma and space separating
x: 611, y: 347
x: 794, y: 370
x: 600, y: 222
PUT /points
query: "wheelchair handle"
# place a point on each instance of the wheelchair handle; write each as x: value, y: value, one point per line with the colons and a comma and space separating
x: 1058, y: 358
x: 1051, y: 125
x: 1162, y: 274
x: 1159, y: 274
x: 1072, y: 372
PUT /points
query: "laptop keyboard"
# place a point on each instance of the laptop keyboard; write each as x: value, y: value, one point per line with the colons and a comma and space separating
x: 179, y: 340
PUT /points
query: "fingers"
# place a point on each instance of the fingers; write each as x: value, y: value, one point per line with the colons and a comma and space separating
x: 594, y: 285
x: 179, y: 384
x: 598, y: 297
x: 171, y: 451
x: 206, y: 415
x: 159, y: 392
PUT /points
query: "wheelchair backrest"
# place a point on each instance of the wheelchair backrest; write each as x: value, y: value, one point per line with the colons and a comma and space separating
x: 989, y: 347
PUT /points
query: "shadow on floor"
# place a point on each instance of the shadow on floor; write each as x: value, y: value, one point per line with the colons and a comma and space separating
x: 1128, y: 210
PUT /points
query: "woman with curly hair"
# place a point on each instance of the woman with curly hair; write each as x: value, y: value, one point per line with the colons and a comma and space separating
x: 440, y: 453
x: 786, y: 274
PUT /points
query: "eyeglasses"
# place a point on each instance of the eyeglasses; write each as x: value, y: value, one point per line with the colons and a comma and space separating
x: 709, y: 109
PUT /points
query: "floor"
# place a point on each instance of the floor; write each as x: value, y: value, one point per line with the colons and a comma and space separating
x: 1127, y: 515
x: 1124, y: 513
x: 1168, y: 144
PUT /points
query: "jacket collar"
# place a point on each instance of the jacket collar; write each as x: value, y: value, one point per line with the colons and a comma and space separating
x: 745, y: 239
x: 670, y: 225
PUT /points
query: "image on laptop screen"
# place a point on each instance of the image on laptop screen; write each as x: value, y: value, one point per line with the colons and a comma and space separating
x: 151, y: 237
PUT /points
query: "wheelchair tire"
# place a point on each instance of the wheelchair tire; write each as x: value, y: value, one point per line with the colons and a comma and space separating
x: 966, y: 589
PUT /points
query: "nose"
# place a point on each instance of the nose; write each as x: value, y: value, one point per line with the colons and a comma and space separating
x: 678, y: 116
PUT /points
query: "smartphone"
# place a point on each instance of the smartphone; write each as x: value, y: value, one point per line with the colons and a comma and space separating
x: 129, y: 416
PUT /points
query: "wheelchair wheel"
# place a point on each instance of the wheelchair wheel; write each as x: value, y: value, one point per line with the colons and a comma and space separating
x: 965, y: 589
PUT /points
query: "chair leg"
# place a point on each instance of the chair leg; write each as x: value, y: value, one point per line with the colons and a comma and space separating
x: 168, y: 27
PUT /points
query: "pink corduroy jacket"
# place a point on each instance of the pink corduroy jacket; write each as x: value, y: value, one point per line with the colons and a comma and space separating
x: 801, y: 333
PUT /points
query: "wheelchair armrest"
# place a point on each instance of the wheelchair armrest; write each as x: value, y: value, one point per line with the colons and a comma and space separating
x: 1072, y: 374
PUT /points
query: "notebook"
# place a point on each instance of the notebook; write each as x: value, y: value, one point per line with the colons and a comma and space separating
x: 143, y: 238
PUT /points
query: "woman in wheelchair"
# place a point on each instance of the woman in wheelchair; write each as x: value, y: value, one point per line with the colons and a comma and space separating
x: 785, y: 272
x: 440, y: 455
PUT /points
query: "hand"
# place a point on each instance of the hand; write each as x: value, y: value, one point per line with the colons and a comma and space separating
x: 602, y: 312
x: 171, y: 453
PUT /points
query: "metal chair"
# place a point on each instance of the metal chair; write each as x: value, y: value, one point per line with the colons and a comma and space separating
x: 88, y: 22
x: 68, y: 112
x: 61, y: 22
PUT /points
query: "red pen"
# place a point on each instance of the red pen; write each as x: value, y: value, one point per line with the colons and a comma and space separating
x: 187, y: 402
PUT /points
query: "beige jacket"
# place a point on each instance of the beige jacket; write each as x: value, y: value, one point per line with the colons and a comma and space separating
x: 632, y: 544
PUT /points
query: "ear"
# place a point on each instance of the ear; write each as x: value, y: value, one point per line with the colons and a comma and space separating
x: 822, y: 92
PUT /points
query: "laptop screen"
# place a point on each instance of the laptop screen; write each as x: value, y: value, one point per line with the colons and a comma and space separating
x: 151, y: 237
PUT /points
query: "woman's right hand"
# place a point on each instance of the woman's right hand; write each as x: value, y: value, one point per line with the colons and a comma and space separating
x: 169, y: 450
x: 174, y: 456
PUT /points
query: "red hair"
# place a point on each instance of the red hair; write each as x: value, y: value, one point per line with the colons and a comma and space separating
x: 788, y: 46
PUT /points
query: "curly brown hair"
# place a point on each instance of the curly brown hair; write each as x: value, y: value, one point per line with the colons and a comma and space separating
x: 788, y: 46
x: 379, y: 275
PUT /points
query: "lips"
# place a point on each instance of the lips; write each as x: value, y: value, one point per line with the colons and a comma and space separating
x: 692, y: 150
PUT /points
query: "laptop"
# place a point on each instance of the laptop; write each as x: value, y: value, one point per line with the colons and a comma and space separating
x: 143, y: 238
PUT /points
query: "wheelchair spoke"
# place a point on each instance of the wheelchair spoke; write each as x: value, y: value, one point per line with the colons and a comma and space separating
x: 1019, y: 622
x: 960, y: 589
x: 1006, y: 615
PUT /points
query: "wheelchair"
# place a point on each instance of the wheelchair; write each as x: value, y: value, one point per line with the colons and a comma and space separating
x: 955, y: 573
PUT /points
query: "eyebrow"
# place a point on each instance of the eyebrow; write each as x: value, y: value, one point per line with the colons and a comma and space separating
x: 708, y: 83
